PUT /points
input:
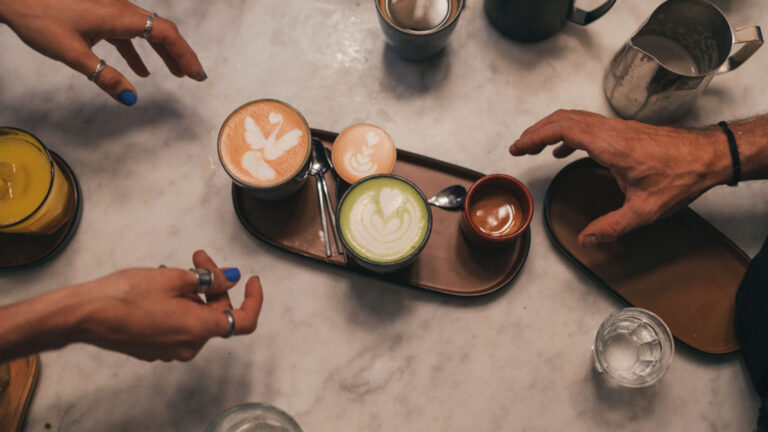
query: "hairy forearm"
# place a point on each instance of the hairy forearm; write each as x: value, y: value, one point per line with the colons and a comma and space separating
x: 42, y: 323
x: 752, y: 143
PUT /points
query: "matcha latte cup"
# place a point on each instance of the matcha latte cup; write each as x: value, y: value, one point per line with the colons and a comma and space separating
x: 385, y: 222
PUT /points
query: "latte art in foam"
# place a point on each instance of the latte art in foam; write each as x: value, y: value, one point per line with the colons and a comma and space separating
x: 363, y: 150
x: 384, y: 219
x: 266, y: 149
x: 264, y: 143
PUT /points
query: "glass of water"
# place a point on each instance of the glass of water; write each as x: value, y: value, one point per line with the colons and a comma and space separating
x: 253, y: 417
x: 634, y: 347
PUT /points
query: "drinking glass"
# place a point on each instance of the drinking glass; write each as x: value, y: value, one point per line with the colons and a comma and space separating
x: 634, y: 347
x: 49, y: 211
x: 253, y: 417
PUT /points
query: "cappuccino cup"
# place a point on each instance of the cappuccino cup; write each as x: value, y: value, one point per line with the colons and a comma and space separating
x: 265, y: 147
x: 497, y: 210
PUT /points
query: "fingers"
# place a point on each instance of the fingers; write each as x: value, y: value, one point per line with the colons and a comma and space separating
x: 613, y: 225
x: 165, y: 39
x: 247, y: 316
x: 174, y: 50
x: 80, y: 58
x: 563, y: 151
x: 222, y: 280
x: 571, y: 127
x: 168, y: 59
x: 117, y: 86
x: 220, y: 302
x: 128, y: 51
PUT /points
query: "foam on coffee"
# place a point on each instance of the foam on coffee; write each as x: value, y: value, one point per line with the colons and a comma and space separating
x: 384, y: 219
x: 264, y: 143
x: 362, y: 150
x: 496, y: 212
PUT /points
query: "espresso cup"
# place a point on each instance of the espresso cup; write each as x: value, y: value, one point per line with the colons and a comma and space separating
x: 497, y: 210
x: 535, y: 20
x: 265, y: 147
x: 385, y: 222
x: 417, y: 39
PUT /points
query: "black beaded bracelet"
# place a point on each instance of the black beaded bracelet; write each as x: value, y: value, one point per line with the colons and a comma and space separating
x: 734, y: 154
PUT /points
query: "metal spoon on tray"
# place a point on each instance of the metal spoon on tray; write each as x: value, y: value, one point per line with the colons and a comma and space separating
x: 450, y: 198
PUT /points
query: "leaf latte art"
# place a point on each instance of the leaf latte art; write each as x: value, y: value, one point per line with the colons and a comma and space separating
x: 384, y: 219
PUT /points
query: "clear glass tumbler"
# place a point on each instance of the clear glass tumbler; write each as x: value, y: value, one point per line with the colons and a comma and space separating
x: 634, y: 347
x: 253, y: 417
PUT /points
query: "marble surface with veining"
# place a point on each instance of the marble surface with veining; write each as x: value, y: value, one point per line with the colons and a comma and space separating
x: 341, y: 351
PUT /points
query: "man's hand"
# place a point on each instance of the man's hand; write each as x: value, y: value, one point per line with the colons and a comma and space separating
x: 659, y: 169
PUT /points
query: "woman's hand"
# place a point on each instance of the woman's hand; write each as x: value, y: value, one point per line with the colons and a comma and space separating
x: 659, y: 169
x: 157, y: 314
x: 65, y: 30
x: 151, y: 314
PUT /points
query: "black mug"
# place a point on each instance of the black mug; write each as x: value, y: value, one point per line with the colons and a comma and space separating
x: 535, y: 20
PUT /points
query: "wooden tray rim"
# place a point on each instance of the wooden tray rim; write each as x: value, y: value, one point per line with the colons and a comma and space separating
x: 689, y: 213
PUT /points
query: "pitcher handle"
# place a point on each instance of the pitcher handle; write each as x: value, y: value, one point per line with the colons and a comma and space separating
x: 751, y: 39
x: 583, y: 17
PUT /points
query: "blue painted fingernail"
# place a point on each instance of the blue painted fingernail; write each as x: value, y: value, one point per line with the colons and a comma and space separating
x: 232, y: 274
x: 205, y: 75
x: 127, y: 97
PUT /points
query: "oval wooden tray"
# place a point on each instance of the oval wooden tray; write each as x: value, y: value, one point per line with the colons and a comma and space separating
x: 15, y: 399
x: 448, y: 264
x: 680, y: 267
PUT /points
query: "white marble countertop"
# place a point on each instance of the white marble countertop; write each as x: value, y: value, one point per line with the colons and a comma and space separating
x: 340, y: 351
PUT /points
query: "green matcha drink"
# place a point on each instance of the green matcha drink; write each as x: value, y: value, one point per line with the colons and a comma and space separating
x: 384, y: 219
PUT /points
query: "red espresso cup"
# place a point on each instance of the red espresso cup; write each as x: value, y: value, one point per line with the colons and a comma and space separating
x: 497, y: 210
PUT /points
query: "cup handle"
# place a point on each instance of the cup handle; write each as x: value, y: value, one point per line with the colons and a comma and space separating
x: 751, y: 39
x: 582, y: 17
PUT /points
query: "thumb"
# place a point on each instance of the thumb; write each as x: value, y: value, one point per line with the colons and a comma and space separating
x: 110, y: 80
x: 117, y: 86
x: 611, y: 226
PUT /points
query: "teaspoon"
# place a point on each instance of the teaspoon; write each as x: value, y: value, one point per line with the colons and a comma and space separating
x: 449, y: 198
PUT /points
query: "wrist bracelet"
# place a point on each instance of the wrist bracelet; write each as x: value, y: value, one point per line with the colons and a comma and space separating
x: 734, y: 154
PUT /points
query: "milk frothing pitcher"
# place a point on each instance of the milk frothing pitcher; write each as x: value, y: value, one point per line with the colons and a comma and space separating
x: 665, y: 66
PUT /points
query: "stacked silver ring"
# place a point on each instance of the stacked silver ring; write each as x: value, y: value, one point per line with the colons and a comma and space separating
x: 148, y: 26
x: 231, y: 321
x: 204, y: 279
x: 96, y: 72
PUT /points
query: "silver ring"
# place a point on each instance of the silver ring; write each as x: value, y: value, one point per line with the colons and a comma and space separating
x: 148, y: 26
x: 204, y: 279
x: 231, y: 321
x: 96, y: 72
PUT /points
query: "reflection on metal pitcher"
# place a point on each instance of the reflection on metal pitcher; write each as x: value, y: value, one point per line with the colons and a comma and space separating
x: 659, y: 74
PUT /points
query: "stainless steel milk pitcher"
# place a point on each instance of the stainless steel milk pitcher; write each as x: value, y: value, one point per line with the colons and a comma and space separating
x: 658, y: 75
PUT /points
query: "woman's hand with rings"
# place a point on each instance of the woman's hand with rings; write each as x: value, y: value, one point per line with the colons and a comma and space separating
x: 158, y: 314
x: 66, y: 30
